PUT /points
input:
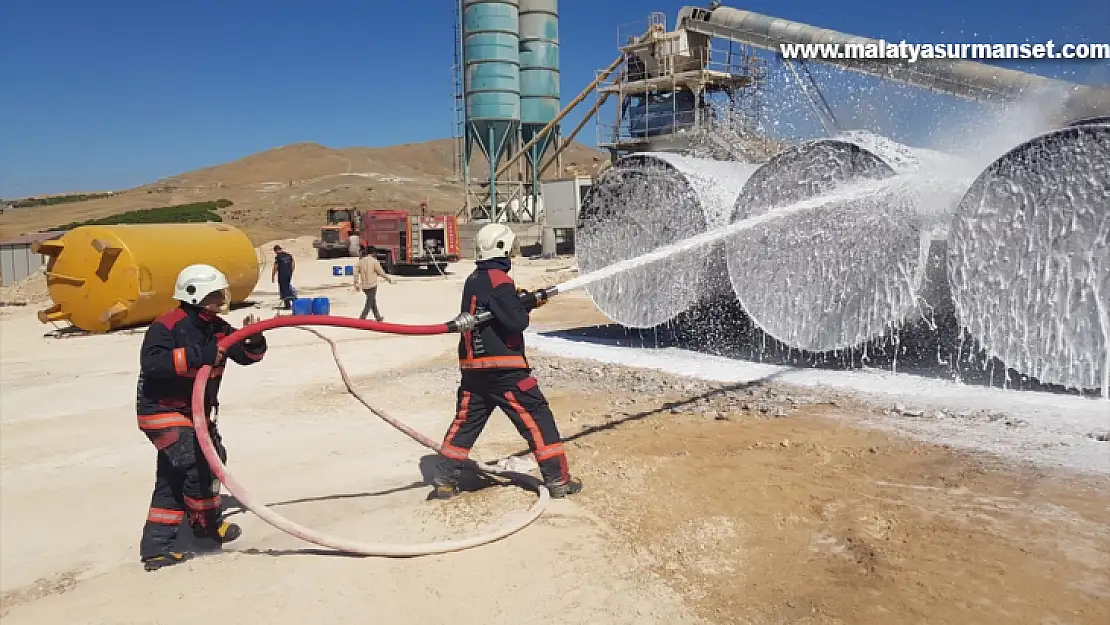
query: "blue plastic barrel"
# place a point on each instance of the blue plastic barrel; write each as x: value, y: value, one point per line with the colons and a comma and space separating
x: 321, y: 306
x: 349, y: 270
x: 302, y: 306
x: 336, y: 270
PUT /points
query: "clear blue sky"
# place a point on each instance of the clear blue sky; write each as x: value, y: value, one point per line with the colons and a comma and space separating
x: 116, y: 93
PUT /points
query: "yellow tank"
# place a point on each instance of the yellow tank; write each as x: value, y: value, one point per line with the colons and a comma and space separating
x: 107, y: 277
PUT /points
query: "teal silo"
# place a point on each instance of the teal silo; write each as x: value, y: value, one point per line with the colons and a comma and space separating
x: 539, y: 77
x: 491, y: 80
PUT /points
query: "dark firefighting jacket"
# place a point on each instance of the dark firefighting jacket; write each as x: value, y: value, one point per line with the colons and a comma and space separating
x: 175, y: 347
x: 498, y: 344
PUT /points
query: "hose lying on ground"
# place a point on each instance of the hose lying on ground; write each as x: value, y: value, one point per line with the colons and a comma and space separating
x: 327, y: 540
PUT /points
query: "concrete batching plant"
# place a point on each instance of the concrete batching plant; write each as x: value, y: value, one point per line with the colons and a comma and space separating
x: 506, y: 93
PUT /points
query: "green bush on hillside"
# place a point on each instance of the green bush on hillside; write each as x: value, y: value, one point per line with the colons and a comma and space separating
x: 29, y: 202
x: 197, y: 212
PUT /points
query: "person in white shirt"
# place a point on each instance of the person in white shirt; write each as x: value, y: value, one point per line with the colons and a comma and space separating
x: 367, y: 273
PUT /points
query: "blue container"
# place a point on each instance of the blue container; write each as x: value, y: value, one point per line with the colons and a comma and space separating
x: 349, y: 270
x: 302, y: 306
x: 321, y: 306
x: 336, y: 270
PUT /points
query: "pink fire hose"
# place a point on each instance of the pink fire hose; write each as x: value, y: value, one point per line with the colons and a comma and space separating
x: 462, y: 323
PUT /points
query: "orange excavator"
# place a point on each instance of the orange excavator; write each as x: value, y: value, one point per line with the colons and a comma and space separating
x: 339, y: 238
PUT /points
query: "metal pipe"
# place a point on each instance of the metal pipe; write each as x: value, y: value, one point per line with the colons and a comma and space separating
x: 563, y: 113
x: 551, y: 160
x: 846, y: 272
x: 963, y: 78
x: 1029, y: 258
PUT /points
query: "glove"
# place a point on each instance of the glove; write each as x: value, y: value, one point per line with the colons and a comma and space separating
x: 210, y: 353
x: 253, y: 339
x: 531, y: 299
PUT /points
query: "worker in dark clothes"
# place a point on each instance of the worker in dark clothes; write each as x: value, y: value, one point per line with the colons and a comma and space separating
x: 176, y: 345
x: 282, y: 273
x: 495, y: 373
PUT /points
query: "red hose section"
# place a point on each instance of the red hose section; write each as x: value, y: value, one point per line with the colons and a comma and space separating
x: 200, y: 424
x: 328, y: 320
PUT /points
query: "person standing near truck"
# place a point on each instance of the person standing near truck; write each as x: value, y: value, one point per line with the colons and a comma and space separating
x: 282, y: 273
x: 367, y: 273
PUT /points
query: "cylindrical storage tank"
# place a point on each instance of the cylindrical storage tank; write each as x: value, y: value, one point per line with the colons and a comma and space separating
x: 539, y: 72
x: 1029, y: 258
x: 903, y: 159
x: 838, y: 273
x: 491, y: 74
x: 1091, y: 121
x: 106, y: 277
x: 641, y: 203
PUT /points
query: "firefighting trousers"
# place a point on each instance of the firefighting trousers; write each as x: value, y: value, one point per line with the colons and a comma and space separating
x: 184, y: 486
x: 518, y: 395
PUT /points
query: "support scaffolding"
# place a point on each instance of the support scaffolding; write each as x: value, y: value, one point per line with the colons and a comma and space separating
x: 675, y: 86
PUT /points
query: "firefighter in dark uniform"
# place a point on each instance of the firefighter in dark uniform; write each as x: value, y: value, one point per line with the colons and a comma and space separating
x: 176, y: 345
x: 495, y: 372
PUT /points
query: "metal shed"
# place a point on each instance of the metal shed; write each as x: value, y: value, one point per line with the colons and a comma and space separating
x: 17, y: 261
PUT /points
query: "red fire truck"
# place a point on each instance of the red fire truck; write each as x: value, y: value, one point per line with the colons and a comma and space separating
x: 401, y: 239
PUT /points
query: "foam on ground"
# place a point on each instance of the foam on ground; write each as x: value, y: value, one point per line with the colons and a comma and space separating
x: 1051, y: 430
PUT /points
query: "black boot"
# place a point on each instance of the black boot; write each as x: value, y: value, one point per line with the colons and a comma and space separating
x: 444, y: 488
x: 445, y: 483
x: 211, y: 526
x: 560, y: 490
x: 223, y: 532
x: 161, y: 561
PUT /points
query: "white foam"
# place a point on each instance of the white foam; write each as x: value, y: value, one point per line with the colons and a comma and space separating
x: 847, y: 193
x: 647, y: 200
x: 1050, y: 430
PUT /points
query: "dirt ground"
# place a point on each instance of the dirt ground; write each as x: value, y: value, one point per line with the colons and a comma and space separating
x: 809, y: 520
x: 761, y: 504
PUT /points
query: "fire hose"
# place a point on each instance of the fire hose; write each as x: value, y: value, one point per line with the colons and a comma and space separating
x: 462, y: 323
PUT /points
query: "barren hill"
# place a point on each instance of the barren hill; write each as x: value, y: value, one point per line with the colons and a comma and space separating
x: 282, y: 192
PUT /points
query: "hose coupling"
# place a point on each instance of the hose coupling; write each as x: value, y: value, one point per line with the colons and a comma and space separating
x: 464, y: 322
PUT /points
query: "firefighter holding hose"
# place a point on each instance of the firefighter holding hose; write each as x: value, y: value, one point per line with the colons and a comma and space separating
x: 496, y: 374
x: 175, y: 346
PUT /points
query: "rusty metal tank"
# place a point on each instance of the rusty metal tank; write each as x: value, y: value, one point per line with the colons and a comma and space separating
x: 106, y: 277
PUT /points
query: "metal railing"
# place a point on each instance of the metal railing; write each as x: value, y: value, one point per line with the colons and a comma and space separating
x: 690, y: 75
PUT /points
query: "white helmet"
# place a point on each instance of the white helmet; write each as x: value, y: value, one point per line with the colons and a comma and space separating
x: 196, y: 282
x: 494, y: 241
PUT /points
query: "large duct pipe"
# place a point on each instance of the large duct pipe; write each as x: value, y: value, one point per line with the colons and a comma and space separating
x: 968, y: 79
x: 847, y: 272
x: 1029, y: 258
x: 1091, y: 121
x: 643, y: 202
